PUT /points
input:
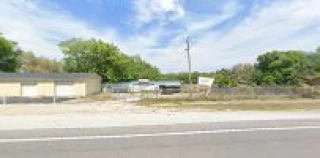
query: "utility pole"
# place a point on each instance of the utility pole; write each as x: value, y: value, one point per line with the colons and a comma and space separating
x: 189, y: 63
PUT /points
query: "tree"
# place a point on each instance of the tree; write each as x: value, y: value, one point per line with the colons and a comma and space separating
x: 184, y: 76
x: 9, y: 55
x: 31, y: 63
x: 225, y: 78
x: 314, y: 60
x: 281, y: 68
x: 104, y: 59
x: 94, y: 56
x: 138, y: 68
x: 244, y: 73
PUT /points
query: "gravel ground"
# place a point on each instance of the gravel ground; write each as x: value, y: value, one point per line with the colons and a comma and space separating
x: 110, y: 107
x: 101, y: 120
x: 123, y: 107
x: 99, y: 114
x: 118, y: 113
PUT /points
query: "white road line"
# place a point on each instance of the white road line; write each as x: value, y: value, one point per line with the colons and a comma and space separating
x: 124, y: 136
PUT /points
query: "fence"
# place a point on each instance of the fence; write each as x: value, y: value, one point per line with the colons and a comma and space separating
x: 27, y: 100
x: 116, y: 88
x: 262, y: 92
x: 242, y: 93
x: 121, y: 91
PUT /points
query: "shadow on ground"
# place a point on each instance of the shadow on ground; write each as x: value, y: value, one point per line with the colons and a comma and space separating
x: 45, y: 100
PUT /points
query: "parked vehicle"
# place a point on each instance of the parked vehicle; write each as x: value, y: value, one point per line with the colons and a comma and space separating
x: 169, y: 87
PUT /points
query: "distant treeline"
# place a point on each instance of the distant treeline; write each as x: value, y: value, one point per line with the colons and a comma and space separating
x: 80, y: 55
x: 271, y: 68
x: 113, y: 65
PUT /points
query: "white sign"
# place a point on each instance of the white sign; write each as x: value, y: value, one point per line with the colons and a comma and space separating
x: 205, y: 81
x: 144, y: 80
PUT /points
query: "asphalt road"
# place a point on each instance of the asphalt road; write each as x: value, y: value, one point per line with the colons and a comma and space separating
x: 255, y: 139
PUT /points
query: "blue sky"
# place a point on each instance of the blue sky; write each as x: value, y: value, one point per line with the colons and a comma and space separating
x: 223, y: 32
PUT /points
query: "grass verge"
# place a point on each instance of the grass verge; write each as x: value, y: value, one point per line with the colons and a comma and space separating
x: 98, y: 97
x: 281, y: 105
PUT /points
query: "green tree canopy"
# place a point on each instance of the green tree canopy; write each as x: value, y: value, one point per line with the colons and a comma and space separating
x: 225, y: 78
x: 184, y: 76
x: 9, y: 55
x: 314, y: 60
x: 138, y: 68
x: 94, y: 56
x: 281, y: 68
x: 104, y: 59
x: 31, y: 63
x: 244, y: 73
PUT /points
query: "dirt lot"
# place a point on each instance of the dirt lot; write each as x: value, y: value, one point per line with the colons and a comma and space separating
x: 246, y: 105
x: 152, y: 106
x: 112, y: 107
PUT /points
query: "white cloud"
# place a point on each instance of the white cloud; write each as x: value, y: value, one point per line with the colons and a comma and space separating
x: 173, y: 58
x: 149, y: 10
x: 195, y: 25
x: 281, y: 25
x: 41, y: 29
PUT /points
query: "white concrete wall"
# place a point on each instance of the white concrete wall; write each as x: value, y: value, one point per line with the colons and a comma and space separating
x: 45, y: 89
x: 10, y: 89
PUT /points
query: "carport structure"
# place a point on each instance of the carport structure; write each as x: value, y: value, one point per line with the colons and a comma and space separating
x: 49, y: 84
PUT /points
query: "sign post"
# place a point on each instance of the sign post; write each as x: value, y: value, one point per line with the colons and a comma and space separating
x: 207, y: 82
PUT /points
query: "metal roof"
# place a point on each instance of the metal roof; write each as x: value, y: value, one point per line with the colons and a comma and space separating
x: 47, y: 76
